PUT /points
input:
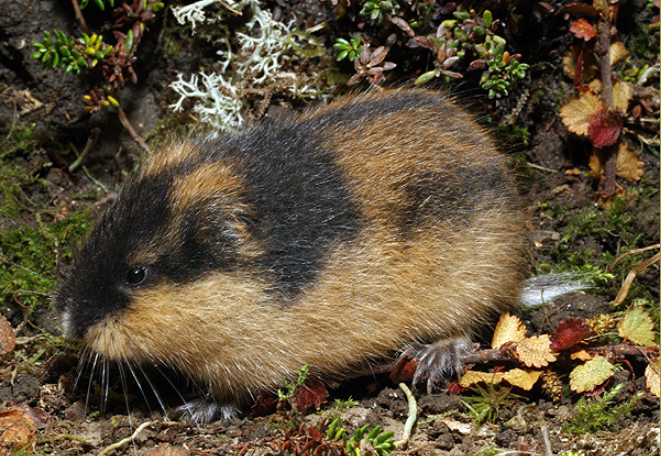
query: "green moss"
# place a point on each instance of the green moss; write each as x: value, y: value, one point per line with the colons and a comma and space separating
x: 30, y: 256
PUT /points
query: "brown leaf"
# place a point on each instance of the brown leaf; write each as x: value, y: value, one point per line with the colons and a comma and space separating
x: 581, y: 8
x: 652, y: 377
x: 583, y: 29
x: 313, y: 393
x: 535, y: 351
x: 508, y: 329
x: 473, y: 377
x: 166, y: 449
x: 628, y: 165
x: 7, y: 336
x: 524, y: 379
x: 378, y: 55
x: 17, y: 429
x: 577, y: 112
x: 621, y: 96
x: 617, y: 52
x: 403, y: 25
x: 604, y: 128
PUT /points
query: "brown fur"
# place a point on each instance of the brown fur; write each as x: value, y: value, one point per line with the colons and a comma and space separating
x: 426, y: 264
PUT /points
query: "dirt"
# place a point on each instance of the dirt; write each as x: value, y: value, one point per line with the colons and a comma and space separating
x: 73, y: 415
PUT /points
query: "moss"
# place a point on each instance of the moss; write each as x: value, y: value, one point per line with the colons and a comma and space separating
x: 30, y: 256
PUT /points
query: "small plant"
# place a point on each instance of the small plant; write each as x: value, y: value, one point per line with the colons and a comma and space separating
x: 348, y: 49
x: 377, y: 9
x: 382, y: 442
x: 593, y: 415
x: 341, y: 405
x: 291, y: 388
x: 91, y: 52
x: 485, y: 407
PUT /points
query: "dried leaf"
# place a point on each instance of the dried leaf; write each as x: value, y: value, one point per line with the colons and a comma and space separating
x: 403, y: 25
x: 628, y: 164
x: 474, y: 377
x: 604, y: 128
x: 569, y: 333
x: 17, y: 429
x: 581, y: 355
x: 583, y: 29
x: 621, y: 96
x: 569, y: 61
x: 600, y: 5
x: 581, y: 8
x: 637, y: 326
x: 617, y: 52
x: 535, y: 351
x: 594, y: 372
x: 378, y: 55
x: 313, y: 393
x: 577, y: 112
x: 165, y: 449
x: 522, y: 378
x: 652, y: 377
x: 508, y: 329
x: 7, y: 336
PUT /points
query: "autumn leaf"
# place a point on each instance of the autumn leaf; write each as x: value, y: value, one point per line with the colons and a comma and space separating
x: 569, y: 333
x: 621, y: 96
x: 591, y: 374
x: 604, y: 128
x: 524, y: 379
x: 628, y: 164
x: 617, y: 52
x: 577, y: 112
x: 580, y: 355
x: 652, y: 377
x: 473, y: 377
x: 637, y: 326
x: 508, y: 329
x: 583, y: 29
x: 535, y: 351
x: 17, y: 429
x: 7, y: 336
x: 313, y: 393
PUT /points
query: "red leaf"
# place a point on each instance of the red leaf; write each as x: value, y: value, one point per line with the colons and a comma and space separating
x: 313, y: 393
x: 455, y: 388
x: 265, y: 404
x: 404, y: 369
x: 583, y: 29
x: 569, y: 333
x: 604, y: 128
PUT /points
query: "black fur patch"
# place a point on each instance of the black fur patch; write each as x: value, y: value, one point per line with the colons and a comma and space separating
x: 96, y: 285
x: 300, y: 204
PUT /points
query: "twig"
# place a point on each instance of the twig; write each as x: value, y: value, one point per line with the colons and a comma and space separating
x: 116, y: 445
x: 626, y: 285
x: 127, y: 124
x: 91, y: 140
x: 79, y: 16
x: 631, y: 252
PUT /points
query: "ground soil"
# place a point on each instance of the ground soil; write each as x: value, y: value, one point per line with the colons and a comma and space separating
x: 71, y: 418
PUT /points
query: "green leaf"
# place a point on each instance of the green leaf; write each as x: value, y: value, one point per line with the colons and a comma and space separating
x: 128, y: 42
x: 425, y: 77
x: 487, y: 18
x: 100, y: 4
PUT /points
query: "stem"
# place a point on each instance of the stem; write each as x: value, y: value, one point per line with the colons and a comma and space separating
x: 127, y: 124
x: 606, y: 22
x: 79, y: 16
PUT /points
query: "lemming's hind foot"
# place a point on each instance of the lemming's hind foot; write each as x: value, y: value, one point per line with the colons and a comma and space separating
x: 204, y: 410
x: 438, y: 362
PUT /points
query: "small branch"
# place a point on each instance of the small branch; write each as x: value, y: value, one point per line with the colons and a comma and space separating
x: 79, y: 16
x: 127, y: 124
x: 137, y: 432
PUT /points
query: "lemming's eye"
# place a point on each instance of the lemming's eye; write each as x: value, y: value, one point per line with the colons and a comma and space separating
x: 136, y: 275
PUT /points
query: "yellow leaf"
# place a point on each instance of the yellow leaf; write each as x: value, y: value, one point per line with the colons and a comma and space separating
x: 522, y: 378
x: 508, y: 329
x: 617, y: 52
x: 652, y: 378
x: 473, y: 377
x: 600, y: 5
x: 621, y: 96
x: 580, y: 355
x: 569, y: 61
x: 577, y: 111
x: 637, y: 326
x: 535, y: 351
x: 594, y: 372
x: 628, y: 164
